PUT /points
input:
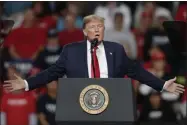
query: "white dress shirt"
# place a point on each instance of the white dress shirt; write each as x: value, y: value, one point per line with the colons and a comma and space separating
x: 101, y: 56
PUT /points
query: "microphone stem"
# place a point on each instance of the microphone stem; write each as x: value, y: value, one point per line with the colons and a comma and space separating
x: 93, y: 62
x: 93, y: 44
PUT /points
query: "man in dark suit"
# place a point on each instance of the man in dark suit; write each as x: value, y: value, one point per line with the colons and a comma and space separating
x: 110, y: 61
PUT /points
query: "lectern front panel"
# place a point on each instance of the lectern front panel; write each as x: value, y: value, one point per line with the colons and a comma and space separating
x: 120, y: 106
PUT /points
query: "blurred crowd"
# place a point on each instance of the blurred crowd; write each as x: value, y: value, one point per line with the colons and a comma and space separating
x: 41, y: 30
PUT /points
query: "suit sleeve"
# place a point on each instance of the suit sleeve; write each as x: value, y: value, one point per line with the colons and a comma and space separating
x: 54, y: 72
x: 135, y: 71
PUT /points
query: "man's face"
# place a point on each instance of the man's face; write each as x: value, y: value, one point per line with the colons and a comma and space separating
x: 95, y: 29
x: 29, y: 16
x: 149, y: 7
x: 146, y: 22
x: 52, y: 41
x: 119, y: 21
x: 159, y: 64
x: 70, y: 22
x: 38, y: 8
x: 52, y: 86
x: 155, y: 100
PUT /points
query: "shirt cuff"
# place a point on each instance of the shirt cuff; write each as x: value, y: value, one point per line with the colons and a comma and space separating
x: 163, y: 87
x: 26, y: 85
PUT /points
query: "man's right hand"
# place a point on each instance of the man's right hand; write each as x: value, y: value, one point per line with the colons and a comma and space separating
x: 13, y: 85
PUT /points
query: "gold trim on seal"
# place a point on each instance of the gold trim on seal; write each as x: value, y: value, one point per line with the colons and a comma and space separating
x: 99, y: 88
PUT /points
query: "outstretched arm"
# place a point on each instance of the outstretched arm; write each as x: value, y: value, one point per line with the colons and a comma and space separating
x: 137, y: 72
x: 54, y: 72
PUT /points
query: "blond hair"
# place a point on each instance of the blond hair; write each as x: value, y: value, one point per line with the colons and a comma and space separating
x: 90, y: 18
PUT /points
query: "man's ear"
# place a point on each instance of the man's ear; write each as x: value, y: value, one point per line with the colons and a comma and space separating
x: 85, y: 33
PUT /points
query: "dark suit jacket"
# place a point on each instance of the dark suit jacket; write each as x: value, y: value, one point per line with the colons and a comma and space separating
x: 73, y: 63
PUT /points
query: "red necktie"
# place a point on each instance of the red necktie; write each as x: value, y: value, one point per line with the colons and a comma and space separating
x: 96, y: 65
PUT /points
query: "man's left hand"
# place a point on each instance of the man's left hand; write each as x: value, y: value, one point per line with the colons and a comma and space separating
x: 171, y: 86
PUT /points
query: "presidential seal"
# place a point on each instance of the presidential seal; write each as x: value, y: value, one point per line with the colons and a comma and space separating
x: 94, y: 99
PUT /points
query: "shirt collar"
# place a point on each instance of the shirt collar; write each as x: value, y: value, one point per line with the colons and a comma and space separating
x: 89, y: 45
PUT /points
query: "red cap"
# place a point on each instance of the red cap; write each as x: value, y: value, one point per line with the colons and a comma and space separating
x: 158, y: 56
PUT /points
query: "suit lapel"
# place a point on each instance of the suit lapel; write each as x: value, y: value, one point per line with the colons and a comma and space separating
x: 85, y: 63
x: 109, y: 56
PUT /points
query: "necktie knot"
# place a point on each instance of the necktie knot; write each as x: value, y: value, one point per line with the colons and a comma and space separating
x: 95, y: 48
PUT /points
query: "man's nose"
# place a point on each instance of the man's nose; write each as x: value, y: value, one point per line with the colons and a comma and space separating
x: 96, y: 29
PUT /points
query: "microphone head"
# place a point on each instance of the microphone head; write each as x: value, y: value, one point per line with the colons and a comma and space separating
x: 94, y: 42
x: 95, y: 39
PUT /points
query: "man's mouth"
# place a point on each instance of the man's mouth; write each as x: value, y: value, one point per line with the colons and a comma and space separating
x: 97, y: 35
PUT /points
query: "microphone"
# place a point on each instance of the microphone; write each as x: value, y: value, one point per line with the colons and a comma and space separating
x: 94, y: 43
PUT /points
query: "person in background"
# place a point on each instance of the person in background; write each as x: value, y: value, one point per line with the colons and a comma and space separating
x: 139, y: 32
x: 122, y: 36
x: 161, y: 69
x: 70, y: 34
x: 14, y: 10
x: 39, y: 91
x: 24, y: 42
x: 154, y: 110
x: 108, y: 11
x: 73, y: 9
x: 50, y: 53
x: 46, y: 105
x: 147, y: 7
x: 45, y: 14
x: 157, y: 66
x: 46, y: 57
x: 41, y: 8
x: 157, y: 37
x: 20, y: 102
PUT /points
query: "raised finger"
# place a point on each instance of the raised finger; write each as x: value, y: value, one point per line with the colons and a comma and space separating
x: 179, y: 91
x: 179, y: 85
x: 7, y: 85
x: 8, y: 81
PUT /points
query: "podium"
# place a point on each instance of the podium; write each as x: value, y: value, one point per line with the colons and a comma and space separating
x: 104, y: 101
